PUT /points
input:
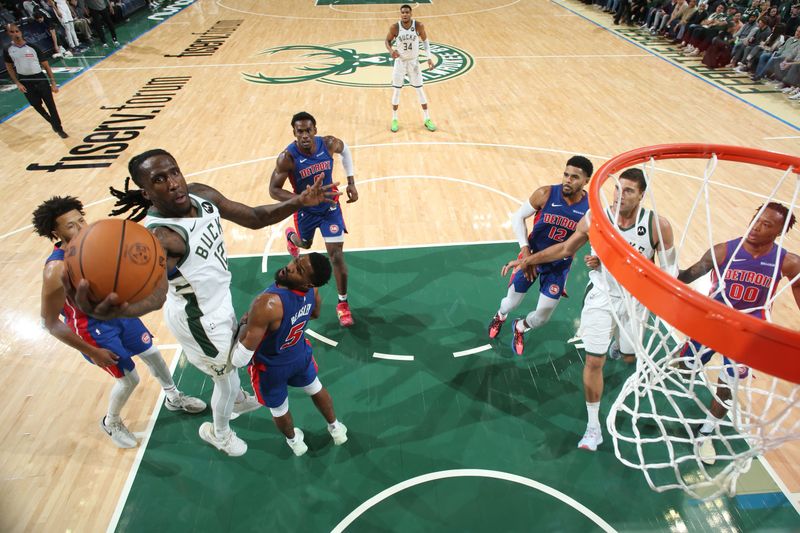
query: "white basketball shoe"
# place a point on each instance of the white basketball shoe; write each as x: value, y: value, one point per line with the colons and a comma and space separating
x: 297, y: 444
x: 230, y: 443
x: 188, y: 404
x: 119, y: 433
x: 591, y: 439
x: 339, y: 434
x: 249, y: 403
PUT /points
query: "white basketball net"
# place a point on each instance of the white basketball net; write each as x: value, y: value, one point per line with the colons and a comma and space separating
x: 655, y: 419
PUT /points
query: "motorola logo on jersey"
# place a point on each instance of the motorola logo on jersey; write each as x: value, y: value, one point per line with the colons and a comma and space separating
x: 364, y: 63
x: 207, y: 207
x: 641, y: 230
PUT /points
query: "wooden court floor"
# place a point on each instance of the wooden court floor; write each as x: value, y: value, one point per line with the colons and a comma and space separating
x: 523, y: 85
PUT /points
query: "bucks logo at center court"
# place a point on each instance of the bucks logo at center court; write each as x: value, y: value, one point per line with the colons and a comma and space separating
x: 363, y: 63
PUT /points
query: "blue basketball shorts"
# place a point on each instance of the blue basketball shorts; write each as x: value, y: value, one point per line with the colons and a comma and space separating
x: 692, y: 349
x: 551, y: 282
x: 271, y: 382
x: 124, y: 337
x: 331, y: 224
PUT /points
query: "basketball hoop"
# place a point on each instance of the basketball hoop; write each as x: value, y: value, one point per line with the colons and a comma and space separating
x: 652, y: 420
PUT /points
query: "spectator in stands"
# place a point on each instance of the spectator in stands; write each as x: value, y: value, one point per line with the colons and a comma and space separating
x: 793, y: 22
x: 719, y: 53
x: 779, y: 63
x: 28, y: 69
x: 742, y: 49
x: 101, y: 12
x: 64, y: 16
x: 773, y: 42
x: 678, y: 28
x: 701, y: 36
x: 81, y: 17
x: 46, y: 25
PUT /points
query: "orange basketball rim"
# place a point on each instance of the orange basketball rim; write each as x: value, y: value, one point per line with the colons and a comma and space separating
x: 759, y: 344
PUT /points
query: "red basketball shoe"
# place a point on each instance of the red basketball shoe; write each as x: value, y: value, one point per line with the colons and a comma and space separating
x: 290, y: 246
x: 343, y: 312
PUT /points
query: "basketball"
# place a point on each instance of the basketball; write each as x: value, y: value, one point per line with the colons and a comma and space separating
x: 118, y: 256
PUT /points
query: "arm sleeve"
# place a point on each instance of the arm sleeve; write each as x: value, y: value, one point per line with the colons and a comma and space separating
x: 667, y: 261
x: 347, y: 160
x: 526, y: 210
x: 426, y: 45
x: 241, y: 355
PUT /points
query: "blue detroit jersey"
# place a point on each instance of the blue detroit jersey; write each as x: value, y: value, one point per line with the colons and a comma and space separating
x: 749, y: 280
x: 288, y: 342
x: 556, y: 222
x: 308, y: 168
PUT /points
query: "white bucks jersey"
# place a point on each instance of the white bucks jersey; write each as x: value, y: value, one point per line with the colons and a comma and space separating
x: 639, y: 235
x: 201, y: 281
x: 407, y: 41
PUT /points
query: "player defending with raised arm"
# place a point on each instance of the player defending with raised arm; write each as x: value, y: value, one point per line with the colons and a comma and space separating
x: 109, y: 344
x: 403, y: 44
x: 308, y: 159
x: 275, y: 333
x: 752, y: 267
x: 556, y: 211
x: 647, y: 233
x: 199, y: 309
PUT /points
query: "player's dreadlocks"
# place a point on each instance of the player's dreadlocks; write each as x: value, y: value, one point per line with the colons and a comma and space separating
x: 129, y: 200
x: 133, y: 199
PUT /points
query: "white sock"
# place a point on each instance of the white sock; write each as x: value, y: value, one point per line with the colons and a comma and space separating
x: 343, y: 297
x: 120, y: 392
x: 710, y: 424
x: 520, y: 326
x: 425, y: 112
x: 394, y: 114
x: 333, y: 425
x: 295, y: 438
x: 158, y: 367
x: 502, y: 316
x: 593, y: 410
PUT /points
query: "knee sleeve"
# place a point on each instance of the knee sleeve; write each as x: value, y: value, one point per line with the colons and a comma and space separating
x: 281, y: 410
x: 511, y: 301
x: 395, y: 96
x: 158, y: 367
x: 421, y: 95
x: 312, y: 388
x: 542, y: 313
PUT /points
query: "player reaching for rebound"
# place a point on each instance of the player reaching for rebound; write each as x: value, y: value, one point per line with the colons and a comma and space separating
x: 556, y: 209
x: 306, y: 160
x: 403, y: 44
x: 109, y: 344
x: 275, y: 333
x: 752, y: 267
x: 647, y: 233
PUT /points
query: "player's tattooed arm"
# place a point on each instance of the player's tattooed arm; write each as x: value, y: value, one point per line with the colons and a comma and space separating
x: 704, y: 265
x: 264, y: 215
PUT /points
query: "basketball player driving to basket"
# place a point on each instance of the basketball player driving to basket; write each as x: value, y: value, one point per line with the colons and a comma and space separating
x: 186, y: 219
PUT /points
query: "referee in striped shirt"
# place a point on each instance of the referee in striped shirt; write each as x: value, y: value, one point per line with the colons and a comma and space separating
x: 27, y: 67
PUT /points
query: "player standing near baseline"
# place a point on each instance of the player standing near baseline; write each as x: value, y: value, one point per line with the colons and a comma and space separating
x: 751, y: 273
x: 556, y: 209
x: 403, y: 44
x: 306, y: 160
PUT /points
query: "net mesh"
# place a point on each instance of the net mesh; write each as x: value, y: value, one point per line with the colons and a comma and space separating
x: 655, y: 420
